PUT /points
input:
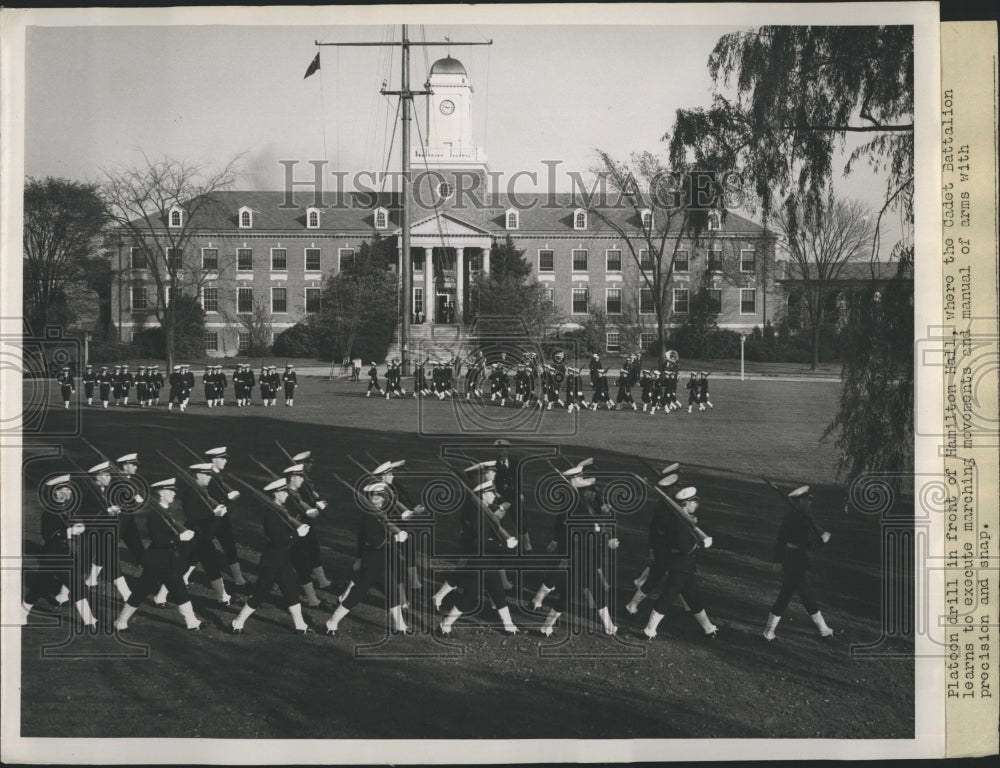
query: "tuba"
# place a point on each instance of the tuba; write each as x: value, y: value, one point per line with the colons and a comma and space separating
x: 672, y: 355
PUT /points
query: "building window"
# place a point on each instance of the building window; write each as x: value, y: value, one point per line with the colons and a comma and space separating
x: 647, y: 220
x: 748, y: 301
x: 140, y: 298
x: 748, y: 260
x: 646, y: 305
x: 243, y: 342
x: 549, y: 294
x: 312, y: 259
x: 210, y: 299
x: 244, y: 300
x: 138, y: 258
x: 714, y: 221
x: 645, y: 260
x: 580, y: 260
x: 715, y: 260
x: 246, y: 218
x: 418, y: 300
x: 682, y: 261
x: 211, y: 341
x: 210, y: 259
x: 279, y: 260
x: 175, y: 258
x: 614, y: 260
x: 244, y: 259
x: 579, y: 219
x: 418, y: 264
x: 176, y: 217
x: 381, y: 218
x: 647, y: 339
x: 581, y: 301
x: 279, y: 300
x: 715, y: 300
x: 312, y: 219
x: 513, y: 220
x: 346, y: 259
x: 546, y: 261
x: 476, y: 262
x: 312, y: 299
x: 613, y: 303
x: 614, y: 341
x: 680, y: 301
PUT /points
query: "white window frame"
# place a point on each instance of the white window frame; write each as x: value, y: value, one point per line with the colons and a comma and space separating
x: 239, y: 217
x: 131, y: 256
x: 305, y: 298
x: 241, y: 348
x: 607, y: 257
x: 753, y: 251
x: 279, y: 269
x: 754, y: 292
x: 573, y: 253
x: 340, y: 257
x: 549, y: 294
x: 238, y: 267
x: 305, y: 259
x: 512, y: 214
x: 310, y: 213
x: 714, y: 252
x: 546, y: 271
x: 647, y: 212
x: 203, y: 300
x: 382, y: 213
x: 687, y: 301
x: 168, y: 252
x: 572, y: 301
x: 175, y: 209
x: 576, y: 219
x: 607, y: 300
x: 140, y: 290
x: 652, y: 264
x: 279, y: 311
x: 719, y: 290
x: 652, y: 304
x: 647, y: 339
x: 214, y: 336
x: 239, y: 291
x: 714, y: 221
x: 418, y: 299
x: 687, y: 261
x: 207, y: 269
x: 617, y: 346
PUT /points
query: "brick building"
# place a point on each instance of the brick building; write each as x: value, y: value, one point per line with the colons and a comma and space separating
x: 254, y: 249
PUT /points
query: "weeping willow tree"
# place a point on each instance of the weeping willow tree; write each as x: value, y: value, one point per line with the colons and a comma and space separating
x: 874, y: 423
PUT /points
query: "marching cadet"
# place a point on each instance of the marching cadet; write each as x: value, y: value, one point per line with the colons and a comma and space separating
x: 574, y: 389
x: 155, y: 385
x: 221, y: 491
x: 291, y: 381
x: 473, y: 375
x: 251, y: 382
x: 799, y: 534
x: 101, y: 504
x: 116, y: 383
x: 62, y: 537
x: 140, y: 386
x: 420, y: 379
x: 89, y: 380
x: 305, y: 555
x: 647, y: 384
x: 221, y: 385
x: 671, y: 390
x: 401, y: 508
x: 496, y: 541
x: 176, y: 393
x: 693, y: 389
x: 375, y: 555
x: 601, y: 392
x: 163, y: 564
x: 126, y: 486
x: 104, y: 382
x: 266, y: 392
x: 188, y: 377
x: 127, y: 381
x: 595, y: 370
x: 201, y: 514
x: 208, y: 382
x: 241, y: 386
x: 624, y: 391
x: 373, y: 379
x: 657, y: 569
x: 681, y: 546
x: 309, y: 497
x: 275, y: 384
x: 275, y: 564
x: 66, y: 385
x: 703, y: 392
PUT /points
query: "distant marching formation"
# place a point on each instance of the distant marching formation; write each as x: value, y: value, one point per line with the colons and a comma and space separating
x: 548, y: 385
x: 169, y: 527
x: 114, y: 386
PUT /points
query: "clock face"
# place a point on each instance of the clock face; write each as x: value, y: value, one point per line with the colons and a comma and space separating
x: 447, y: 107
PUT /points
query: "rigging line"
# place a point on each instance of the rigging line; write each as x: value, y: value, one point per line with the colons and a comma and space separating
x: 392, y: 143
x: 437, y: 210
x: 322, y: 109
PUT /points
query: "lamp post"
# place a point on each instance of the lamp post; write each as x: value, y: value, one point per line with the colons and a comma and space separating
x: 743, y: 341
x: 118, y: 244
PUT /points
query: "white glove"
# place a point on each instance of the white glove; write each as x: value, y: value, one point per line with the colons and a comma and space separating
x: 356, y: 565
x: 186, y: 535
x: 312, y: 512
x: 220, y: 510
x: 606, y: 509
x: 707, y: 542
x: 139, y: 499
x: 500, y: 511
x: 321, y: 504
x: 407, y: 514
x: 114, y: 509
x: 419, y: 509
x: 552, y: 546
x: 233, y: 495
x: 401, y: 537
x: 75, y: 530
x: 302, y: 530
x: 613, y: 543
x: 511, y: 543
x: 826, y: 536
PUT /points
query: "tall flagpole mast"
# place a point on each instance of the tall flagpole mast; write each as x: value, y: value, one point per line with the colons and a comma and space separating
x: 406, y: 97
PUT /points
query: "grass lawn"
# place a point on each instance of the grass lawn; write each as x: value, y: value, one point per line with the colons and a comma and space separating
x: 269, y: 682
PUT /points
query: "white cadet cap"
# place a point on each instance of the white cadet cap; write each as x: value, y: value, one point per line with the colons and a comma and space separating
x: 375, y: 488
x: 102, y: 467
x: 501, y: 443
x: 800, y: 491
x: 667, y: 481
x: 302, y: 456
x: 128, y: 458
x: 484, y: 487
x: 57, y: 480
x: 202, y: 468
x: 573, y: 471
x: 582, y: 482
x: 670, y: 468
x: 482, y: 465
x: 276, y: 485
x: 217, y: 453
x: 295, y: 469
x: 388, y: 466
x: 686, y: 494
x: 165, y: 485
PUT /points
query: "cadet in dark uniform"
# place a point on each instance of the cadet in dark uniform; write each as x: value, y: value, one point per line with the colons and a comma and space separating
x: 104, y: 382
x: 681, y: 546
x: 116, y: 384
x: 222, y: 492
x: 275, y: 564
x: 98, y: 503
x: 624, y: 391
x: 141, y: 386
x: 155, y: 385
x: 693, y: 388
x: 163, y: 564
x: 89, y: 380
x: 66, y: 385
x: 305, y: 554
x: 658, y: 553
x: 703, y: 392
x: 311, y: 498
x: 798, y: 535
x: 595, y: 370
x: 378, y: 566
x: 125, y: 487
x: 176, y: 393
x: 208, y: 382
x: 646, y: 382
x: 373, y: 380
x: 291, y: 381
x: 189, y: 383
x: 127, y: 381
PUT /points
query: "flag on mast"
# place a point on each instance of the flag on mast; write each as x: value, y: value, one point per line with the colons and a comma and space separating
x: 313, y: 66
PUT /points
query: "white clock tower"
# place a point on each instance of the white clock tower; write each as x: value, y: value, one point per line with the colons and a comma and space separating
x: 449, y: 121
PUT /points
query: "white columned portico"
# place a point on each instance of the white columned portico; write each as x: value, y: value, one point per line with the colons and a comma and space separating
x: 459, y: 283
x: 429, y: 297
x: 486, y: 260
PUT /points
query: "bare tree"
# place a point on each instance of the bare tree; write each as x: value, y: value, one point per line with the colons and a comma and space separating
x: 160, y: 206
x: 820, y: 241
x: 257, y: 323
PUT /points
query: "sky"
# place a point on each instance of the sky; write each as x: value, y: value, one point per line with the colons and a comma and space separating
x: 98, y: 97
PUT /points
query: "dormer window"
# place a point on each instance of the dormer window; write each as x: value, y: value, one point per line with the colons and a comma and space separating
x: 175, y: 217
x: 714, y: 221
x: 312, y: 218
x: 513, y: 219
x: 246, y: 218
x: 647, y: 219
x: 579, y: 219
x: 381, y: 218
